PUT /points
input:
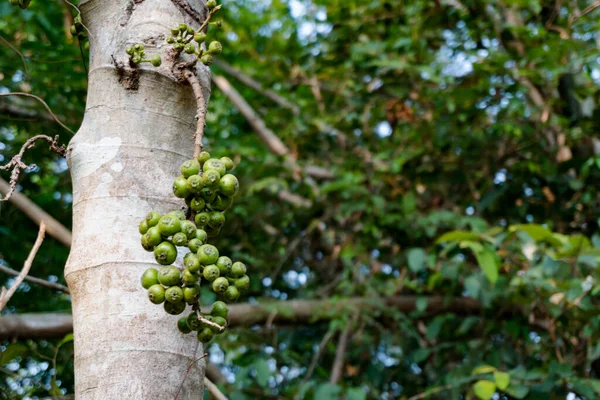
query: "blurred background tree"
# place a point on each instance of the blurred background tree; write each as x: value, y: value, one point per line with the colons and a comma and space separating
x: 447, y: 166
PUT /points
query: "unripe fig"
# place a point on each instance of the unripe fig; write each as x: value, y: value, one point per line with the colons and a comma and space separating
x: 189, y: 48
x: 194, y: 245
x: 201, y: 234
x: 155, y: 60
x: 211, y: 4
x: 219, y: 309
x: 231, y: 294
x: 191, y: 294
x: 174, y: 308
x: 154, y: 236
x: 195, y: 184
x: 203, y: 157
x: 206, y: 59
x: 137, y: 47
x: 229, y: 185
x: 208, y: 254
x: 189, y: 229
x: 197, y: 204
x: 152, y: 218
x: 242, y: 283
x: 189, y: 168
x: 136, y: 59
x: 205, y: 335
x: 211, y: 178
x: 219, y: 321
x: 208, y: 194
x: 165, y: 253
x: 174, y: 31
x: 156, y: 294
x: 238, y: 269
x: 170, y: 40
x: 178, y: 46
x: 73, y: 31
x: 200, y: 37
x: 189, y: 278
x: 228, y: 163
x: 190, y: 30
x: 180, y: 215
x: 202, y: 218
x: 183, y: 28
x: 174, y: 294
x: 221, y: 203
x: 180, y: 187
x: 147, y: 246
x: 169, y: 225
x: 211, y: 272
x: 224, y: 264
x: 168, y: 276
x: 212, y: 232
x: 215, y: 48
x: 149, y: 278
x: 182, y: 325
x: 143, y: 228
x: 192, y: 262
x: 216, y: 219
x: 214, y: 164
x: 193, y: 322
x: 179, y: 239
x: 220, y: 284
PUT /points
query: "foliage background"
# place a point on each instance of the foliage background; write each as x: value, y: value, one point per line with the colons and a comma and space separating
x: 463, y: 136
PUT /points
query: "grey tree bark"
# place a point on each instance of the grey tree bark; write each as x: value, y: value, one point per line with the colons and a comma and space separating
x: 137, y: 129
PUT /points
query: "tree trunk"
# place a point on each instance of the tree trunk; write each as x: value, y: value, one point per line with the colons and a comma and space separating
x: 138, y: 128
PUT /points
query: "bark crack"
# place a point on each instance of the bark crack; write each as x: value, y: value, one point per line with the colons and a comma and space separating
x: 185, y: 7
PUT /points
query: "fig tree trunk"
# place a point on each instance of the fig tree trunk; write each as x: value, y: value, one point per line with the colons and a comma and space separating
x: 138, y: 128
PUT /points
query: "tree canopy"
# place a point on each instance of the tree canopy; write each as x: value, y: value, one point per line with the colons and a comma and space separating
x: 424, y: 172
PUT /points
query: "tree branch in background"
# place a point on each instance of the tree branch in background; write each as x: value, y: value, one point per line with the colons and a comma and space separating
x: 584, y: 12
x: 5, y: 295
x: 37, y: 281
x: 41, y: 101
x: 18, y: 165
x: 313, y: 363
x: 37, y: 215
x: 214, y: 390
x: 56, y: 325
x: 340, y: 353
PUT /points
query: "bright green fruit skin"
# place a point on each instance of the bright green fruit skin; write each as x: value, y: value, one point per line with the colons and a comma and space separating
x: 208, y: 254
x: 147, y: 246
x: 221, y: 203
x: 219, y: 321
x: 205, y: 335
x: 220, y: 285
x: 191, y: 294
x: 211, y: 178
x: 169, y: 225
x: 229, y: 185
x: 216, y: 165
x: 216, y: 219
x: 179, y: 239
x: 202, y: 218
x: 165, y: 253
x: 195, y: 244
x: 203, y: 157
x: 154, y: 236
x: 189, y: 278
x: 224, y: 264
x: 219, y: 309
x: 238, y: 269
x: 197, y: 204
x: 143, y: 227
x: 174, y: 308
x: 193, y: 322
x: 174, y: 294
x: 168, y: 276
x: 156, y: 294
x: 182, y: 325
x: 208, y: 194
x: 228, y: 163
x: 189, y: 168
x: 189, y: 229
x: 178, y: 214
x: 191, y: 262
x: 211, y: 272
x: 180, y: 187
x: 152, y: 218
x: 242, y: 283
x: 149, y: 278
x: 231, y: 294
x: 195, y: 184
x: 201, y: 235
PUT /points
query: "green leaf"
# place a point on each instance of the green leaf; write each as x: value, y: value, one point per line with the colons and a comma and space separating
x: 473, y: 286
x: 421, y: 304
x: 536, y: 232
x: 502, y: 379
x: 457, y: 236
x: 483, y: 369
x: 13, y: 351
x: 484, y: 389
x: 262, y: 372
x: 356, y: 394
x: 434, y: 328
x: 327, y: 391
x: 489, y: 265
x: 421, y: 355
x: 416, y: 259
x: 517, y: 391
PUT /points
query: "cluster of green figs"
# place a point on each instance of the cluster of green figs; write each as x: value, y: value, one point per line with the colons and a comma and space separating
x: 207, y: 188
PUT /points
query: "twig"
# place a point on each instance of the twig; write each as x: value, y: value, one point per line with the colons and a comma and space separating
x: 18, y: 165
x: 41, y: 101
x: 214, y: 390
x: 585, y: 11
x: 187, y: 371
x: 429, y: 392
x: 313, y: 363
x: 340, y: 353
x: 37, y: 281
x: 200, y: 113
x: 209, y: 323
x: 13, y: 48
x: 5, y: 295
x: 207, y: 20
